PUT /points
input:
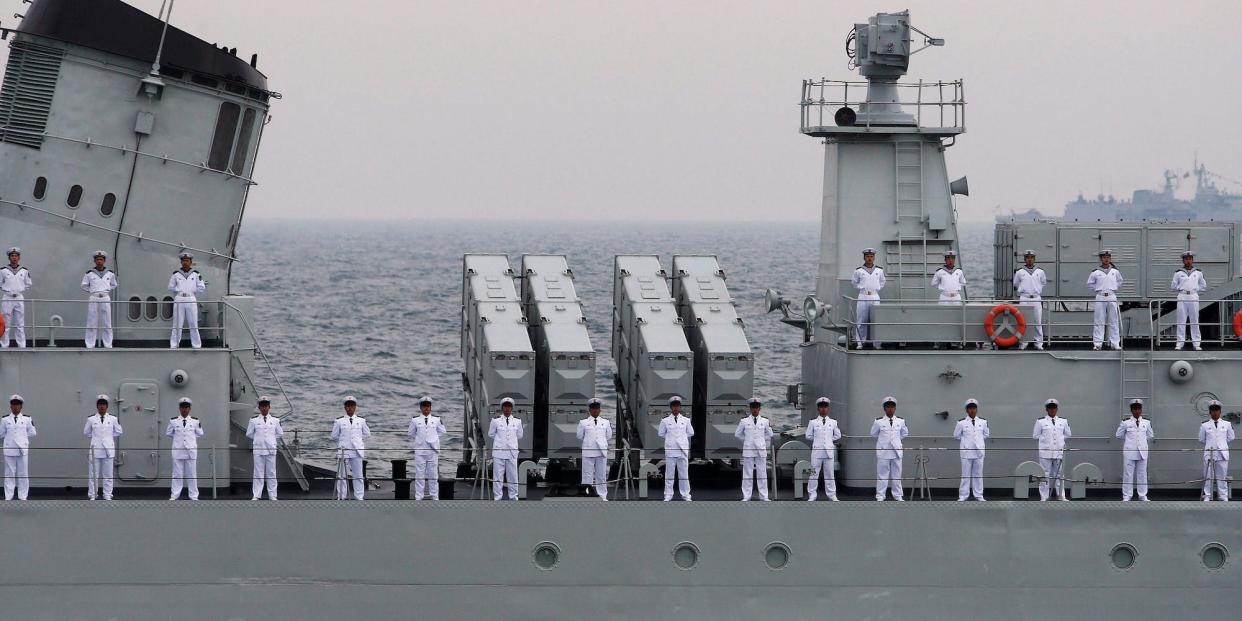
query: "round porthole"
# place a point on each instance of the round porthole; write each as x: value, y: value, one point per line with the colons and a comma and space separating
x: 1123, y: 556
x: 686, y: 555
x: 546, y: 555
x: 1214, y: 556
x: 776, y: 555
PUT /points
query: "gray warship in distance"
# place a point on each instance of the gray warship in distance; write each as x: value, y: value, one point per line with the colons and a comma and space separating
x: 120, y: 132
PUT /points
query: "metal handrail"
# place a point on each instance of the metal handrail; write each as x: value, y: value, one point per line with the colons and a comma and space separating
x: 55, y: 322
x: 822, y: 94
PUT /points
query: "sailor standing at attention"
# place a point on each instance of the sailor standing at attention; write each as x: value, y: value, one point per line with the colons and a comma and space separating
x: 1105, y: 280
x: 596, y: 435
x: 868, y: 280
x: 185, y: 431
x: 350, y: 434
x: 426, y: 431
x: 14, y: 281
x: 1188, y: 282
x: 822, y: 431
x: 265, y: 434
x: 99, y: 283
x: 17, y: 429
x: 971, y: 433
x: 950, y: 280
x: 755, y: 432
x: 1215, y: 434
x: 1029, y: 282
x: 186, y: 284
x: 676, y: 431
x: 505, y: 432
x: 1135, y: 432
x: 1051, y: 431
x: 888, y: 430
x: 103, y: 429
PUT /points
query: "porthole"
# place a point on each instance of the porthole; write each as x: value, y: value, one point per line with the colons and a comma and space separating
x: 108, y: 204
x: 1214, y: 556
x: 1123, y: 556
x: 153, y: 308
x: 546, y: 555
x: 135, y: 308
x: 686, y: 555
x: 166, y: 308
x: 75, y: 197
x: 40, y: 189
x: 776, y: 555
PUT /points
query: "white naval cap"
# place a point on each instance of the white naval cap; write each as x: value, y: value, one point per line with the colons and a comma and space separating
x: 13, y: 250
x: 1188, y: 255
x: 594, y: 403
x: 426, y: 399
x: 184, y: 401
x: 1028, y: 253
x: 970, y: 402
x: 674, y: 400
x: 102, y: 398
x: 185, y: 255
x: 823, y: 401
x: 1134, y: 402
x: 507, y: 401
x: 264, y: 399
x: 950, y: 253
x: 16, y: 399
x: 1213, y: 404
x: 756, y: 401
x: 1106, y: 253
x: 867, y: 251
x: 350, y: 399
x: 888, y: 400
x: 1052, y: 403
x: 99, y: 253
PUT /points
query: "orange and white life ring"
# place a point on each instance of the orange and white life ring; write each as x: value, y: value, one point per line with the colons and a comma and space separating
x: 1237, y: 324
x: 2, y: 324
x: 1004, y: 333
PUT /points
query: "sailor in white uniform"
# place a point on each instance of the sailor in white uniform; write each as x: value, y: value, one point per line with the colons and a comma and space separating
x: 426, y: 430
x: 868, y: 280
x: 822, y: 432
x: 1105, y: 280
x: 1029, y: 282
x: 1215, y: 434
x: 755, y: 433
x: 950, y: 280
x: 596, y: 435
x: 1188, y: 282
x: 186, y: 284
x: 888, y: 430
x: 505, y: 431
x: 265, y: 434
x: 350, y: 434
x: 1051, y: 431
x: 14, y: 281
x: 676, y: 431
x: 1135, y: 431
x: 103, y: 429
x: 99, y: 283
x: 185, y: 431
x: 17, y: 430
x: 971, y: 432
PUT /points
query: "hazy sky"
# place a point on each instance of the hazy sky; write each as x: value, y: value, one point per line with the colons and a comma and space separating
x: 687, y: 110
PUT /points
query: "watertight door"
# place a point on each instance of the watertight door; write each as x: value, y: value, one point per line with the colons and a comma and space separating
x: 138, y: 449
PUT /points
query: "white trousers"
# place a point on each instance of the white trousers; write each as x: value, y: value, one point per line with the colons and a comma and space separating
x: 755, y: 470
x: 1217, y: 472
x: 14, y: 311
x: 99, y: 471
x: 862, y: 329
x: 426, y: 474
x: 674, y: 466
x: 502, y: 470
x: 185, y: 474
x: 1106, y: 312
x: 99, y: 320
x: 888, y: 477
x: 595, y: 472
x: 1135, y: 472
x: 822, y: 464
x: 185, y: 313
x: 264, y: 472
x: 950, y: 299
x: 1052, y: 470
x: 16, y: 476
x: 1034, y: 311
x: 972, y: 478
x: 1188, y: 313
x: 349, y: 471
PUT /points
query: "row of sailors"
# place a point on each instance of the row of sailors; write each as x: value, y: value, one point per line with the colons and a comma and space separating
x: 186, y: 284
x: 1029, y: 282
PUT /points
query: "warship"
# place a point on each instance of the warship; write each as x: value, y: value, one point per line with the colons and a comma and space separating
x: 121, y: 132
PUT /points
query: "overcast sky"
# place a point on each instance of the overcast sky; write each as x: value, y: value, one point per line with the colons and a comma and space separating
x: 687, y: 110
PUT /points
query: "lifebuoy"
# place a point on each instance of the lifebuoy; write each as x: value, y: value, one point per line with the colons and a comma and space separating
x: 2, y: 324
x: 1237, y: 324
x: 1015, y: 332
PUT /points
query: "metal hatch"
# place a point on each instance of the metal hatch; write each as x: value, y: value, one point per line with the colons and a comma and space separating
x: 138, y: 453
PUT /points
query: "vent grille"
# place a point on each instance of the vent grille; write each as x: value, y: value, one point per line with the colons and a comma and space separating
x: 26, y: 95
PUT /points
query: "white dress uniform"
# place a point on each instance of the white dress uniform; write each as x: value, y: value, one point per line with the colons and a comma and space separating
x: 14, y: 281
x: 102, y: 429
x: 505, y: 432
x: 596, y: 436
x: 426, y: 431
x: 99, y: 285
x: 951, y: 283
x: 676, y: 431
x: 1188, y: 285
x: 186, y: 285
x: 17, y: 430
x: 888, y: 432
x: 1051, y: 432
x: 265, y: 434
x: 868, y: 282
x: 1105, y: 283
x: 1136, y: 433
x: 1216, y: 436
x: 1029, y: 284
x: 755, y: 433
x: 822, y: 431
x: 970, y: 434
x: 350, y: 434
x: 185, y: 432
